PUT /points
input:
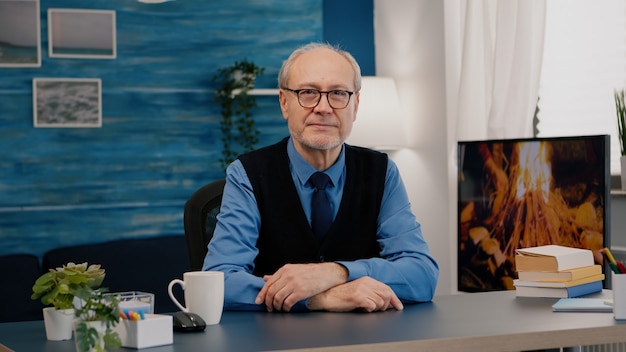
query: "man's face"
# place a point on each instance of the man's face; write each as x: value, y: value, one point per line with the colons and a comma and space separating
x: 320, y: 127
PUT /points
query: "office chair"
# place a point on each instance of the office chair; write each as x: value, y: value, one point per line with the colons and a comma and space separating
x: 200, y: 218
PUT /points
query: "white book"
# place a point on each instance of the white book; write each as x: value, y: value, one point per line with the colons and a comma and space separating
x: 552, y: 258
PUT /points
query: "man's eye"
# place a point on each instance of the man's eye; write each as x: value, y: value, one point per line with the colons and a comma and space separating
x: 339, y: 93
x: 308, y: 92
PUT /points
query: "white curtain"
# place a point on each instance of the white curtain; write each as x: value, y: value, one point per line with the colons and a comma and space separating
x: 493, y: 65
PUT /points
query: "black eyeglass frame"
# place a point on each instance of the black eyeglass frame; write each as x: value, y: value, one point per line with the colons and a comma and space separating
x: 319, y: 96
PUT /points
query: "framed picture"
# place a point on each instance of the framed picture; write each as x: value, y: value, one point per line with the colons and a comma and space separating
x: 67, y: 102
x: 20, y: 33
x: 87, y: 34
x: 520, y: 193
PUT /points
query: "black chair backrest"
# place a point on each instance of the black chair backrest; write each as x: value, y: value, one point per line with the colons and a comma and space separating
x: 201, y: 211
x: 19, y: 274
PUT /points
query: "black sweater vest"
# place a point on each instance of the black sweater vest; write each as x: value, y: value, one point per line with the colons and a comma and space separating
x: 285, y: 235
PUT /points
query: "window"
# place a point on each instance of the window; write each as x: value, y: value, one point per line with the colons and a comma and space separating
x: 583, y: 64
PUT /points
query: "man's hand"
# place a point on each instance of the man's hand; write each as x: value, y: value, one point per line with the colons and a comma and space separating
x: 366, y: 294
x: 295, y: 282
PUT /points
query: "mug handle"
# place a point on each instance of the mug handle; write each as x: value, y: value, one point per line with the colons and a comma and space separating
x: 171, y: 294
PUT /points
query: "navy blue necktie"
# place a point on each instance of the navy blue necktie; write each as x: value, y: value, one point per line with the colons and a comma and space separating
x: 321, y: 215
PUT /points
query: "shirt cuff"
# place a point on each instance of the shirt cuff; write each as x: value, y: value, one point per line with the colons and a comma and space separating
x: 301, y: 306
x: 355, y: 270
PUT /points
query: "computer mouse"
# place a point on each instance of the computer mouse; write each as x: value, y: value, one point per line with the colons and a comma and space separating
x: 188, y: 322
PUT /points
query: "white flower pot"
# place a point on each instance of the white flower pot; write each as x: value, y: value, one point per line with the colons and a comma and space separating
x: 622, y: 159
x: 58, y: 323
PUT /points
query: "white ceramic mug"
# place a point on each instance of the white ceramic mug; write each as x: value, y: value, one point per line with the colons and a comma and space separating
x: 204, y: 294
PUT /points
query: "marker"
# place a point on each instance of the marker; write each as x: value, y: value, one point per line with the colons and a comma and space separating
x: 608, y: 254
x: 611, y: 260
x: 621, y: 267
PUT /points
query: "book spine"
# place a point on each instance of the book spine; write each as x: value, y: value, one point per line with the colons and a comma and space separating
x: 569, y: 283
x: 568, y: 275
x: 584, y: 289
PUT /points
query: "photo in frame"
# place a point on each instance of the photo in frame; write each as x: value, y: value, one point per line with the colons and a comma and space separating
x: 67, y: 102
x: 86, y: 34
x: 521, y: 193
x: 20, y: 39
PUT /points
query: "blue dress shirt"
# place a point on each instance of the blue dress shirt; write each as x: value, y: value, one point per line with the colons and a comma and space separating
x: 405, y: 264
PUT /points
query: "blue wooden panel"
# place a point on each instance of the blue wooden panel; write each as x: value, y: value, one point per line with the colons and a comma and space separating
x: 160, y: 137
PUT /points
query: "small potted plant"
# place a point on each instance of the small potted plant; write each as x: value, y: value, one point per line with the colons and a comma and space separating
x: 237, y: 123
x: 620, y: 109
x: 96, y: 316
x: 57, y: 288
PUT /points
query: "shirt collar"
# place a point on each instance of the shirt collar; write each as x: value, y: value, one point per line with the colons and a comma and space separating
x: 303, y: 170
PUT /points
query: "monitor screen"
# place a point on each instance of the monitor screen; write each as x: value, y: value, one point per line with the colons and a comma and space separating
x: 524, y: 193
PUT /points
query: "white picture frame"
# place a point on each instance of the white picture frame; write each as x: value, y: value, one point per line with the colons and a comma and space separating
x: 83, y: 34
x: 67, y: 102
x: 20, y: 34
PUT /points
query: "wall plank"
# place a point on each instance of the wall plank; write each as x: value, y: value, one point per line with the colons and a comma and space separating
x: 160, y: 137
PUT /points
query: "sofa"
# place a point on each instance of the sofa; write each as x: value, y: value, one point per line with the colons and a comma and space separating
x: 134, y: 264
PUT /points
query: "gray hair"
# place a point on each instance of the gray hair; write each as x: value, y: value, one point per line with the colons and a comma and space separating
x: 283, y: 75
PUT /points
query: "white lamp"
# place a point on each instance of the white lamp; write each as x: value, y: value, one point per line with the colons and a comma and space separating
x: 378, y: 122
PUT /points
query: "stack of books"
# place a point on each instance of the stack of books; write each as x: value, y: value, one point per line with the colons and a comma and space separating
x: 556, y: 271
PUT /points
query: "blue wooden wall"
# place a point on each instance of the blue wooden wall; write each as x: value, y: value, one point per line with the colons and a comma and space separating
x: 159, y: 139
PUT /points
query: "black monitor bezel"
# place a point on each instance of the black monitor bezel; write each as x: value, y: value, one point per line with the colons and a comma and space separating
x: 605, y: 144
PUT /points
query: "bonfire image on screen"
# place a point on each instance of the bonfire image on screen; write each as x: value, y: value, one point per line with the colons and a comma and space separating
x: 524, y: 193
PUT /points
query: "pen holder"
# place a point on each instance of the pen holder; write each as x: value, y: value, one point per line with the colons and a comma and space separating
x: 619, y: 295
x: 136, y: 301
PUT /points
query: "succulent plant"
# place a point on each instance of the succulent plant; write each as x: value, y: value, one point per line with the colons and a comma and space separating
x: 58, y: 286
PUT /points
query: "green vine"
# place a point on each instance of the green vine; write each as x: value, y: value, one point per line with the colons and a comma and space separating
x: 237, y: 124
x: 620, y: 109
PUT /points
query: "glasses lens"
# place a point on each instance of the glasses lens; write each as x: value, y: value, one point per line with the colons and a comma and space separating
x: 337, y: 99
x: 309, y: 98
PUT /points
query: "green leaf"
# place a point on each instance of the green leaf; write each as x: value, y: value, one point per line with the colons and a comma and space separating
x: 112, y: 339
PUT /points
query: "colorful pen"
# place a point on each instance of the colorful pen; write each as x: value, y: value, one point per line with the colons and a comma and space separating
x: 621, y: 267
x: 609, y: 255
x: 611, y: 260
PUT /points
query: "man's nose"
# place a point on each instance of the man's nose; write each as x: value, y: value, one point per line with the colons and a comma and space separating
x: 323, y: 105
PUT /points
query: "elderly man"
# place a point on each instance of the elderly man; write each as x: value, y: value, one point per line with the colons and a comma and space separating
x: 311, y: 223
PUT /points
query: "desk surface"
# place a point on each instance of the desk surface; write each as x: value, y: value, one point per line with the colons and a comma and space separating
x: 490, y: 321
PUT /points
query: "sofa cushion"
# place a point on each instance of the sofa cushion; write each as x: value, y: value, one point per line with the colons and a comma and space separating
x: 19, y: 274
x: 142, y: 264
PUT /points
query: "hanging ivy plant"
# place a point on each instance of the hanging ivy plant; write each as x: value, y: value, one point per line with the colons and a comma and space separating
x: 237, y: 124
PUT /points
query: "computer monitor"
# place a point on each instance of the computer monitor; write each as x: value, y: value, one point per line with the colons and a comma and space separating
x: 529, y: 192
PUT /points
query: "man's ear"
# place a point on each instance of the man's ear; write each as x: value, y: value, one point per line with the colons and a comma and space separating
x: 357, y: 100
x: 282, y: 98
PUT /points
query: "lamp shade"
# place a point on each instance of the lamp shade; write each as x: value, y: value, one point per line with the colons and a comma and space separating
x: 378, y: 122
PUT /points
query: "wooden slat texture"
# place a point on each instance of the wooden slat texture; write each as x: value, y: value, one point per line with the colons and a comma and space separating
x: 160, y: 137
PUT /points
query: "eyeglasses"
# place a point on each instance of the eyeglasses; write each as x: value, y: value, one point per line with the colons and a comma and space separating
x: 309, y: 98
